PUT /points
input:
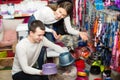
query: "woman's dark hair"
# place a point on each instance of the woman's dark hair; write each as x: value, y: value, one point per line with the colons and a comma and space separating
x: 60, y: 1
x: 35, y: 24
x: 67, y: 5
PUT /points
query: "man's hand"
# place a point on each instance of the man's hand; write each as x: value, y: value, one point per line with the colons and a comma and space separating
x: 41, y: 73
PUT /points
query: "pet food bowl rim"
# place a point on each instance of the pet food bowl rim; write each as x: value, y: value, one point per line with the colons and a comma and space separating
x: 53, y: 65
x: 47, y: 73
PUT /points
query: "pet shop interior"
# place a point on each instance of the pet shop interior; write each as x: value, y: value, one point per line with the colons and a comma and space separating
x: 98, y: 58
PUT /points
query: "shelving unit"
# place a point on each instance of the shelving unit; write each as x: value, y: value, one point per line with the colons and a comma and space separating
x: 9, y: 1
x: 10, y: 21
x: 7, y: 58
x: 5, y: 49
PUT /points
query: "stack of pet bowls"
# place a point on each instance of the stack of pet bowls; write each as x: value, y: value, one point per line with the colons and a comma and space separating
x: 80, y: 64
x: 95, y: 73
x: 49, y: 68
x: 66, y: 59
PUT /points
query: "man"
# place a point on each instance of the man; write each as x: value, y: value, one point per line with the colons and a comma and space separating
x: 27, y: 52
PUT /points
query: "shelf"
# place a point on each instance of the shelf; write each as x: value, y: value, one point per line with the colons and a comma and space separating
x: 6, y: 62
x: 6, y: 48
x: 10, y: 1
x: 7, y: 58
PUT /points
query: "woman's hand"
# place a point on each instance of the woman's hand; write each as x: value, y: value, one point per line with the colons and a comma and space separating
x: 55, y: 35
x: 83, y: 35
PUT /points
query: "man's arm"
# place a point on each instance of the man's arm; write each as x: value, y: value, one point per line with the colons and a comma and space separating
x: 53, y: 46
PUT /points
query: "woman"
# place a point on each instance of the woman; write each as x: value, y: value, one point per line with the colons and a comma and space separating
x: 53, y: 13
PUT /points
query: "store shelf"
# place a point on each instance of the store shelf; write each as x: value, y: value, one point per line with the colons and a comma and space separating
x: 6, y: 58
x: 5, y: 49
x: 10, y: 1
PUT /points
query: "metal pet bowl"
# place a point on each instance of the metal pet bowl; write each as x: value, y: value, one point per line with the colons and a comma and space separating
x: 49, y: 68
x: 65, y: 59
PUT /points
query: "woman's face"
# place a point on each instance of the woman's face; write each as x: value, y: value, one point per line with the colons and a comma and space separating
x: 60, y: 13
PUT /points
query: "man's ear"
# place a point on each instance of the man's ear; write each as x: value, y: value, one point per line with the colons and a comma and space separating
x: 31, y: 33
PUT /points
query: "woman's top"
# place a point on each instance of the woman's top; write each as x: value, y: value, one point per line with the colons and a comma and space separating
x: 46, y: 15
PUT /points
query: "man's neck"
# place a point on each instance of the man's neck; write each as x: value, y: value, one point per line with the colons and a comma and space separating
x: 30, y: 39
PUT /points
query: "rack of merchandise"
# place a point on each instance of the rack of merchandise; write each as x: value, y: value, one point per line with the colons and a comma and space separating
x: 99, y: 19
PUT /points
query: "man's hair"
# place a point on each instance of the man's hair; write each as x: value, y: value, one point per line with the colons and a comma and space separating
x: 67, y: 5
x: 35, y: 24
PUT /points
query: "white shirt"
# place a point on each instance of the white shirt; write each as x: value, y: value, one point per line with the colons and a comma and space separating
x: 27, y: 54
x: 46, y: 15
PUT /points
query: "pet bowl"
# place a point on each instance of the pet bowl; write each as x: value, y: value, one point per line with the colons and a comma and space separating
x: 49, y: 68
x: 82, y: 78
x: 95, y: 70
x: 82, y: 43
x: 82, y: 74
x: 75, y: 54
x: 81, y: 52
x: 65, y: 59
x: 80, y: 64
x: 97, y: 79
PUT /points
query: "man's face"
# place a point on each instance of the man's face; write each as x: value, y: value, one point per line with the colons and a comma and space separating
x: 38, y: 35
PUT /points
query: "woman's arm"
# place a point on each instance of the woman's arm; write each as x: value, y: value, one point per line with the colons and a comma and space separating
x: 72, y: 31
x: 56, y: 36
x: 68, y: 26
x: 48, y: 29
